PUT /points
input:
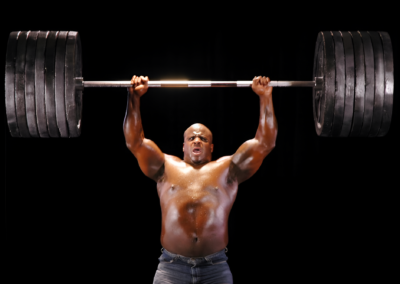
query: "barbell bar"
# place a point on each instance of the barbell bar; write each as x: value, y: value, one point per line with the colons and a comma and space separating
x: 352, y: 87
x: 193, y: 84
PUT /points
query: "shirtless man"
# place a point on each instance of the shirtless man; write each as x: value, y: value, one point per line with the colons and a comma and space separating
x: 197, y: 194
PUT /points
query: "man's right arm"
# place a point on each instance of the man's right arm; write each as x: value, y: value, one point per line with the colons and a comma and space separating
x: 149, y: 156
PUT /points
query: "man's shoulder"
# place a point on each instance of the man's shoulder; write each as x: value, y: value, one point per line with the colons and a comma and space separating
x: 220, y: 163
x: 173, y: 159
x: 224, y: 159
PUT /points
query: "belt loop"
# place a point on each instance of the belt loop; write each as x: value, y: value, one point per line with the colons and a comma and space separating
x: 226, y: 250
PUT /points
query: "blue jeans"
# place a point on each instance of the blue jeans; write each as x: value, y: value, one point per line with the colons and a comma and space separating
x: 179, y: 269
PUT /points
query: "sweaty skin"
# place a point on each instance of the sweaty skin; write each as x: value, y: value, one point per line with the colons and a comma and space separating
x: 197, y: 194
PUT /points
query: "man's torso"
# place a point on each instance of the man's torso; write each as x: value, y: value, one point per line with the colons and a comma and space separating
x: 195, y: 205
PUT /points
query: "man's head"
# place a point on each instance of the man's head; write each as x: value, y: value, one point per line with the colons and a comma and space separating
x: 197, y: 144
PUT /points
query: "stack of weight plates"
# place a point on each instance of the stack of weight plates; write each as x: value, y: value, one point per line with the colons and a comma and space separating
x: 356, y: 98
x: 41, y: 100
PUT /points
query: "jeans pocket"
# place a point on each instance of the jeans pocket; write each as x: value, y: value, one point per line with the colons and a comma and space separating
x: 219, y: 262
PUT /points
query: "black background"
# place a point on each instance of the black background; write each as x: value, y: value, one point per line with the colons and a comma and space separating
x: 317, y: 209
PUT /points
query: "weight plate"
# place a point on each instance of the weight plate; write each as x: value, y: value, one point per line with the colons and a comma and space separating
x: 49, y: 84
x: 73, y: 98
x: 340, y: 84
x: 20, y: 85
x: 318, y: 72
x: 359, y: 89
x: 40, y: 84
x: 10, y: 83
x: 379, y: 84
x: 389, y: 83
x: 60, y: 84
x: 324, y: 100
x: 30, y: 84
x: 349, y: 95
x: 369, y: 83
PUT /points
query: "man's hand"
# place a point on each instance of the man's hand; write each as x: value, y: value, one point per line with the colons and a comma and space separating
x: 260, y: 86
x: 140, y: 86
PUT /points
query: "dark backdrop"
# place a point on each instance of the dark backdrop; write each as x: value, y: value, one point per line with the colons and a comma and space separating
x: 82, y: 207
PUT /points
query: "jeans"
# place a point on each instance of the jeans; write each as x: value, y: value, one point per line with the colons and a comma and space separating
x: 179, y: 269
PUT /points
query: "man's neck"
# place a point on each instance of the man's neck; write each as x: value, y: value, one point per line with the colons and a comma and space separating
x: 197, y: 165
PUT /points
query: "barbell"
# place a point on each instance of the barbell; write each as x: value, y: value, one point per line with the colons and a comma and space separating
x: 352, y: 84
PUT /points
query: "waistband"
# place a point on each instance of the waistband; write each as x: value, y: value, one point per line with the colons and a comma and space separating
x: 196, y: 259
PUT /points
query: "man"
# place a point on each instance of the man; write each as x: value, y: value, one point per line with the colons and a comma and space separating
x: 197, y: 194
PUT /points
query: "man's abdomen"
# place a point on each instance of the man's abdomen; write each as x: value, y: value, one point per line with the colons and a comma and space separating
x: 195, y: 223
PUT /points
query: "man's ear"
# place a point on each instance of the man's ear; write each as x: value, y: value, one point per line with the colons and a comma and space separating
x: 183, y: 149
x: 212, y: 148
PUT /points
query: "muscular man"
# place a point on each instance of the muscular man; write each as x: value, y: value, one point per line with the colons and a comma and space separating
x: 197, y: 194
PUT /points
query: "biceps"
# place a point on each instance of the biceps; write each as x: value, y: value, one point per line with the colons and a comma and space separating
x: 150, y: 158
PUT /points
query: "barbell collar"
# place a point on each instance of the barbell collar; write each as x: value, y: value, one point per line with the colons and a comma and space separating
x: 80, y: 84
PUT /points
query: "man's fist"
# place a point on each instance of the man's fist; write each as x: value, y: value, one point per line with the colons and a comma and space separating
x: 260, y: 86
x: 139, y: 85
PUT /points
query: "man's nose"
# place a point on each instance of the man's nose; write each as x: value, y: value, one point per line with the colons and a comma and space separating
x: 197, y: 140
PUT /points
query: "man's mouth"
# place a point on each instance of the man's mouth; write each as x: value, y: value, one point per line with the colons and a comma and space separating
x: 196, y: 151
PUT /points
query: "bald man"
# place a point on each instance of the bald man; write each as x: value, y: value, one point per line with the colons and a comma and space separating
x: 196, y: 194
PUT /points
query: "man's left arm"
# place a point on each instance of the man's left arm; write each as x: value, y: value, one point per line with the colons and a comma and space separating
x: 250, y: 155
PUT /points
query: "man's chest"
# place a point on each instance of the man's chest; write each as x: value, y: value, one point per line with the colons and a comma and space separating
x: 211, y: 175
x: 206, y: 182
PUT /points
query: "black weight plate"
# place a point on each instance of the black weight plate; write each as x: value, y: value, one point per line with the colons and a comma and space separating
x: 20, y: 85
x: 30, y: 84
x: 73, y: 98
x: 49, y: 85
x: 328, y: 105
x: 324, y: 103
x: 359, y: 89
x: 40, y: 84
x: 340, y: 84
x: 349, y: 97
x: 60, y: 84
x: 318, y: 70
x: 389, y: 83
x: 369, y: 83
x: 379, y: 83
x: 10, y: 84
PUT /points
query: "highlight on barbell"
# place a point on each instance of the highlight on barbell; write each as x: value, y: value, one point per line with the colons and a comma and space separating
x: 352, y: 84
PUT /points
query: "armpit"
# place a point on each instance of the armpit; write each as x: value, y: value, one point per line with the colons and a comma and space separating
x: 232, y: 173
x: 160, y: 174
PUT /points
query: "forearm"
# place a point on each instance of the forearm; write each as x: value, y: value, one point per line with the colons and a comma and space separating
x: 133, y: 128
x: 268, y: 126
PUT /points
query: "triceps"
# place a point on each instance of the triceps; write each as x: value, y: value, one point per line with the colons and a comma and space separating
x: 247, y: 160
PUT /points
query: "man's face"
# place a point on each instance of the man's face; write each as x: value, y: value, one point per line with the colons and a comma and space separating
x: 197, y: 146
